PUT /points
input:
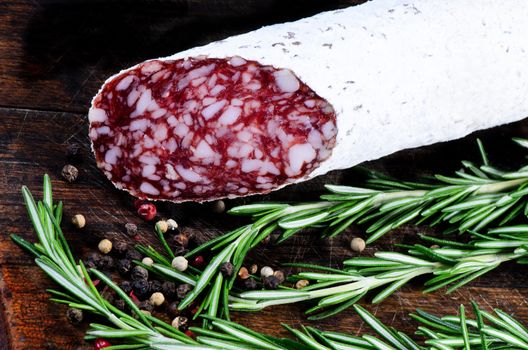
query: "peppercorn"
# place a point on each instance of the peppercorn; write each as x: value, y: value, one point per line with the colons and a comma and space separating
x: 181, y: 240
x: 120, y: 304
x: 155, y: 286
x: 180, y: 263
x: 106, y: 262
x: 179, y: 321
x: 253, y: 269
x: 133, y: 254
x: 126, y: 286
x: 124, y: 266
x: 108, y: 295
x: 70, y: 173
x: 250, y: 284
x: 141, y: 288
x: 183, y: 290
x: 198, y: 262
x: 157, y: 298
x: 279, y: 275
x: 78, y: 221
x: 266, y: 271
x: 75, y: 316
x: 147, y: 211
x: 101, y: 344
x: 105, y: 246
x: 172, y: 224
x: 169, y: 289
x: 162, y: 226
x: 243, y: 273
x: 357, y: 244
x: 189, y: 333
x: 131, y: 229
x: 146, y: 305
x: 300, y: 284
x: 270, y: 282
x: 93, y: 260
x: 218, y: 206
x: 172, y: 309
x: 120, y: 248
x: 147, y: 261
x: 266, y: 240
x: 226, y: 269
x: 73, y: 152
x: 139, y: 273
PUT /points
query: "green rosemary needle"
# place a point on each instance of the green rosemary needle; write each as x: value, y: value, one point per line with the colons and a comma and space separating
x: 54, y: 257
x: 474, y: 199
x: 453, y: 265
x: 496, y: 330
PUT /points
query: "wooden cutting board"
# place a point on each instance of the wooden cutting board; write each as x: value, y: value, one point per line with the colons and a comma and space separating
x: 53, y: 57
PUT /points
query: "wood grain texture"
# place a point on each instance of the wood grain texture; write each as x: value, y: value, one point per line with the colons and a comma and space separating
x: 53, y: 57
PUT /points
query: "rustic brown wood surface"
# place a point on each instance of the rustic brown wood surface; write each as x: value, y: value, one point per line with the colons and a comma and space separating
x: 53, y: 57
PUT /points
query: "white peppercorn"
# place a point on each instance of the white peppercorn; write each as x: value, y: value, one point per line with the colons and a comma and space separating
x: 105, y: 246
x: 266, y: 271
x: 180, y: 263
x: 78, y: 221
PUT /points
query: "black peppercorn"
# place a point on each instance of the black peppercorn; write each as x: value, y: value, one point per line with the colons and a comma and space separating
x: 120, y: 304
x: 155, y: 286
x: 227, y: 269
x: 139, y: 273
x: 169, y: 289
x: 107, y: 262
x: 120, y: 248
x: 183, y: 290
x: 141, y: 288
x: 75, y: 316
x: 126, y: 286
x: 280, y: 276
x: 172, y: 309
x: 146, y: 305
x: 94, y: 260
x: 133, y: 254
x: 131, y: 229
x: 70, y: 173
x: 73, y: 152
x: 124, y: 266
x: 270, y: 282
x: 181, y: 240
x: 250, y: 284
x: 108, y: 296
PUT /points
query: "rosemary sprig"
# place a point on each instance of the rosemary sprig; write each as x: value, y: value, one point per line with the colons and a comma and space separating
x: 53, y: 256
x: 473, y: 200
x: 453, y: 265
x: 450, y: 332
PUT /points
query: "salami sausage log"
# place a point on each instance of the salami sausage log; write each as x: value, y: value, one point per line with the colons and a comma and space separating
x: 282, y: 104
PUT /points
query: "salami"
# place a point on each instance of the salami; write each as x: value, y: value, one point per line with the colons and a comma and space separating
x: 199, y: 128
x: 282, y: 104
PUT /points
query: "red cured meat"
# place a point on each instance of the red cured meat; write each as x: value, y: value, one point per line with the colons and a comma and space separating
x: 200, y: 129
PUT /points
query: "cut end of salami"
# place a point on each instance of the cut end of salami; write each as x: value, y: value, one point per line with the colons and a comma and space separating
x: 205, y: 128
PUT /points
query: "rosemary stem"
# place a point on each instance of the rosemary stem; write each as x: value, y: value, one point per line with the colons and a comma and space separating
x: 383, y: 198
x: 500, y: 186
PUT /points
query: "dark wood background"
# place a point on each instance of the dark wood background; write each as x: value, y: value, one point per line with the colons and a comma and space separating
x: 53, y: 57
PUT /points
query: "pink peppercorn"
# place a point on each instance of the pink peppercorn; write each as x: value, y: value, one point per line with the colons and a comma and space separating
x: 101, y: 344
x: 147, y: 211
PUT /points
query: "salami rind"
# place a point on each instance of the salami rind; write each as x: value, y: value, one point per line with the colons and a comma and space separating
x: 397, y: 74
x: 197, y: 128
